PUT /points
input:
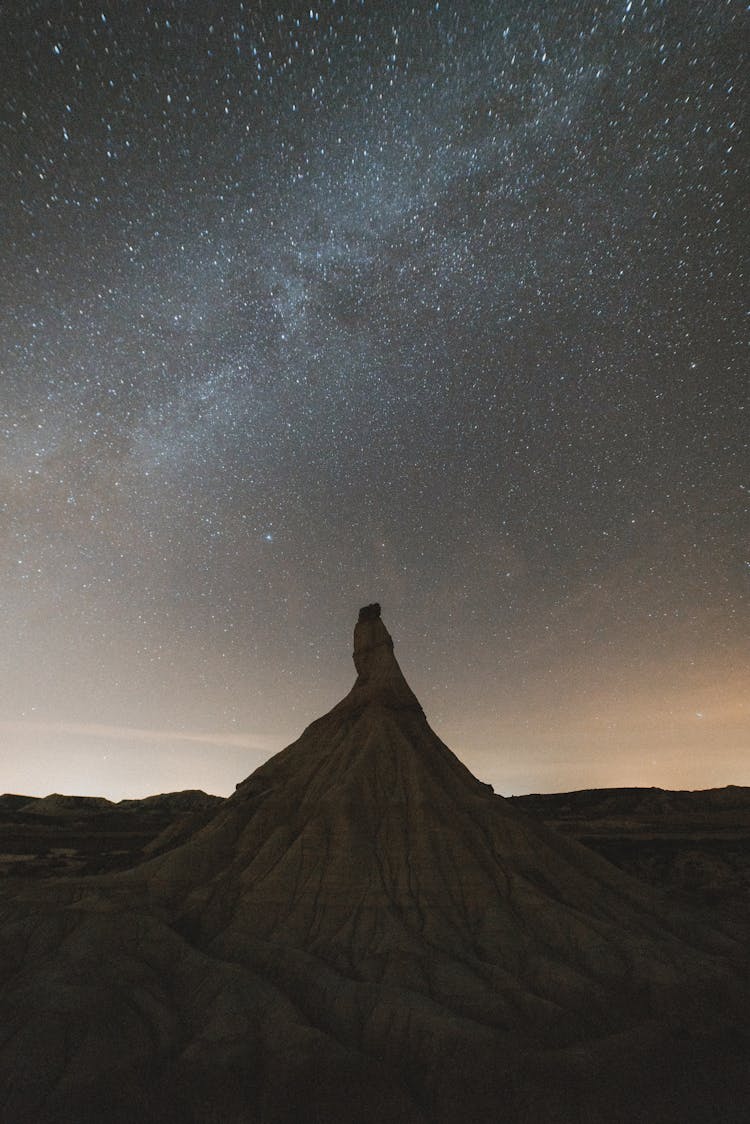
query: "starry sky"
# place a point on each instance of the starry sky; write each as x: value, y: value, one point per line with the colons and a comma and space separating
x: 436, y: 304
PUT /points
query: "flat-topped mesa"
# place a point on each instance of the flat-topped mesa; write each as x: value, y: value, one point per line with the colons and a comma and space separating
x: 379, y: 677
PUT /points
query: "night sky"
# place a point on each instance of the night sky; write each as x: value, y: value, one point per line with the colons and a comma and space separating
x: 438, y: 305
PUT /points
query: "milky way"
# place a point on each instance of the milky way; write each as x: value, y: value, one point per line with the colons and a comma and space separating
x: 437, y: 305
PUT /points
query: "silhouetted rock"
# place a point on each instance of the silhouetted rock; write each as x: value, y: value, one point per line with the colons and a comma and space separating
x: 12, y: 802
x: 57, y: 804
x: 364, y: 932
x: 379, y: 677
x: 189, y: 800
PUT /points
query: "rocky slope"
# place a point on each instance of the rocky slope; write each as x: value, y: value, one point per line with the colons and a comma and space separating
x: 365, y: 932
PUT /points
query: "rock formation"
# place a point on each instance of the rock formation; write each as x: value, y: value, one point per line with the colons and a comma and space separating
x: 365, y: 932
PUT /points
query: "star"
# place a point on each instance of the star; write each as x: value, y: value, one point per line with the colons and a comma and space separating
x: 431, y: 305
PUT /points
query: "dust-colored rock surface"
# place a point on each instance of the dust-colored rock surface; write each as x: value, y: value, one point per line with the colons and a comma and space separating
x: 365, y: 932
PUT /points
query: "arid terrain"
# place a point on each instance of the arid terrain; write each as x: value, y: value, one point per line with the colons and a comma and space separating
x: 693, y: 844
x: 58, y: 836
x: 366, y: 932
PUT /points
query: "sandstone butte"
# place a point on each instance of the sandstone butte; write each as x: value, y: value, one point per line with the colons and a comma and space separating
x: 364, y: 932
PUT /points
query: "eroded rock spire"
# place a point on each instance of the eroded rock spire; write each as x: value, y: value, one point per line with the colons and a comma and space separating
x: 379, y: 677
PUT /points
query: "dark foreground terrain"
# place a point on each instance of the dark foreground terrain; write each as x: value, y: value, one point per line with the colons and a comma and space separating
x: 364, y: 932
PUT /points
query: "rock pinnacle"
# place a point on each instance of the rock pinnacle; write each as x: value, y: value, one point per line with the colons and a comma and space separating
x: 379, y: 677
